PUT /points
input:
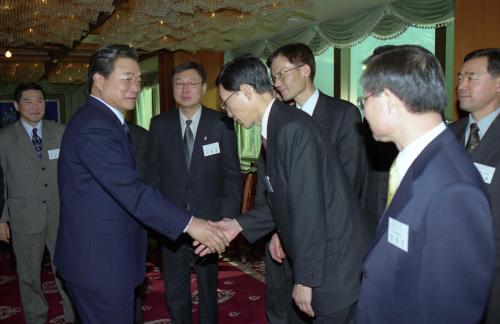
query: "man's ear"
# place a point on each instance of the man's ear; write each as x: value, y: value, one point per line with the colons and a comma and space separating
x: 393, y: 101
x: 98, y: 80
x: 306, y: 70
x: 16, y: 105
x: 247, y: 90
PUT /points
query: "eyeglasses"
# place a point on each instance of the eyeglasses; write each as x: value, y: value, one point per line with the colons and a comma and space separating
x: 223, y: 105
x: 187, y: 85
x: 279, y: 76
x: 362, y: 100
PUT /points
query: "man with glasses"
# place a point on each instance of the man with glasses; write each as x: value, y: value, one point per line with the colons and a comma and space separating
x: 308, y: 199
x: 432, y: 256
x: 479, y: 95
x: 193, y: 160
x: 293, y: 69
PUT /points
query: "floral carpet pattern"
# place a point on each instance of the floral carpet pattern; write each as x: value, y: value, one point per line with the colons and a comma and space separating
x: 240, y: 293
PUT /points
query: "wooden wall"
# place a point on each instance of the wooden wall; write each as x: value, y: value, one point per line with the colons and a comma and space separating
x: 477, y: 25
x: 212, y: 61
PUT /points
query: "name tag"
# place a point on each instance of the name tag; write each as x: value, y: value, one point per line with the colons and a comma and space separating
x: 211, y: 149
x: 398, y: 234
x: 53, y: 154
x: 485, y: 171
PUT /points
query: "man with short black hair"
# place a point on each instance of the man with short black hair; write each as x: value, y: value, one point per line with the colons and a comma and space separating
x: 479, y: 95
x: 29, y: 151
x: 432, y: 257
x: 193, y: 160
x: 309, y: 200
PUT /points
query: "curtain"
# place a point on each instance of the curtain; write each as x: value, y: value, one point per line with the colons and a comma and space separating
x: 249, y: 144
x: 385, y: 21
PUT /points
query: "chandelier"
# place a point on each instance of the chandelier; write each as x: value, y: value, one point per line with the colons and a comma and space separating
x: 197, y: 24
x: 38, y: 22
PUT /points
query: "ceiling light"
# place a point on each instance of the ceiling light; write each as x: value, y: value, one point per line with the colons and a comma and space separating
x: 8, y: 54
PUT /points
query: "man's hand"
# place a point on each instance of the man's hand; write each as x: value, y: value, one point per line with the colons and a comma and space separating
x: 230, y: 227
x: 275, y: 248
x: 302, y: 295
x: 4, y: 232
x: 211, y: 237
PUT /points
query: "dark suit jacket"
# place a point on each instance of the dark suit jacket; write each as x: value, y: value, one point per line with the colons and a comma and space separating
x: 313, y: 208
x: 101, y: 243
x: 488, y: 153
x: 212, y: 187
x: 140, y: 144
x: 445, y: 275
x: 341, y: 121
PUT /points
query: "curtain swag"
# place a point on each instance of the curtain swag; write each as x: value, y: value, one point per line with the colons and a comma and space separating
x: 383, y: 22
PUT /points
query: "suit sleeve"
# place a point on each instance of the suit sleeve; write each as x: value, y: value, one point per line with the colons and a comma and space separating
x: 101, y: 151
x: 351, y: 149
x: 3, y: 195
x: 259, y: 221
x: 455, y: 288
x: 300, y: 154
x: 231, y: 202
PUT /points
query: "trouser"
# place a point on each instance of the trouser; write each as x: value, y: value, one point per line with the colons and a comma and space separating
x: 29, y: 250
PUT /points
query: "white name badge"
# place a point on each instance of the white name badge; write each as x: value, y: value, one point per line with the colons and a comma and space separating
x: 485, y: 171
x: 53, y: 154
x: 211, y: 149
x: 398, y: 234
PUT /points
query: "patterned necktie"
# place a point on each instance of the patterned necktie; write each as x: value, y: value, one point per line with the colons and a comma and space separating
x: 37, y: 142
x: 393, y: 183
x: 127, y: 130
x: 473, y: 141
x: 188, y: 141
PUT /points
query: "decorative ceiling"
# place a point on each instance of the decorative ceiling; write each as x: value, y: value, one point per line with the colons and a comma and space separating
x: 53, y: 39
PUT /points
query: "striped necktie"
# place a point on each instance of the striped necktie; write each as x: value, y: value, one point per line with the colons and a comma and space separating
x: 37, y: 142
x: 394, y: 181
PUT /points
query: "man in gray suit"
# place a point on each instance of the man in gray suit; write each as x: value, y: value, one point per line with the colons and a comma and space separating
x: 479, y: 95
x: 29, y: 150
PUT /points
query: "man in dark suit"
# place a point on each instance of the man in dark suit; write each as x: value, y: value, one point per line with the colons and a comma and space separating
x: 432, y: 257
x: 293, y: 68
x: 101, y: 245
x: 479, y: 95
x: 29, y: 151
x: 203, y: 178
x: 309, y: 200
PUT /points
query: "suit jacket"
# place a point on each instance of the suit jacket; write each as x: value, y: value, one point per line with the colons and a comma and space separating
x: 488, y: 153
x: 341, y: 121
x: 212, y: 187
x: 140, y: 145
x: 31, y: 192
x: 101, y: 243
x: 313, y: 207
x: 445, y: 275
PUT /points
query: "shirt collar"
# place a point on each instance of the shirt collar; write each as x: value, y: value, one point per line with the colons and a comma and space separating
x: 406, y: 157
x: 265, y: 119
x: 29, y: 128
x: 115, y: 111
x: 195, y: 120
x: 310, y: 103
x: 483, y: 124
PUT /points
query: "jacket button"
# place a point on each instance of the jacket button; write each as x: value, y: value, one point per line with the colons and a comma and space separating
x: 45, y: 185
x: 43, y: 168
x: 44, y: 201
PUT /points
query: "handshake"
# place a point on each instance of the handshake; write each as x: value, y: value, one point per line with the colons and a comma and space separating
x: 210, y: 237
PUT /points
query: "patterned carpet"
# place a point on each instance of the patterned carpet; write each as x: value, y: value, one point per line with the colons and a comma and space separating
x: 240, y: 291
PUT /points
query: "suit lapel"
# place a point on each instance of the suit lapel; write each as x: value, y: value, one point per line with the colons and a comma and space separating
x: 320, y: 109
x: 271, y: 133
x: 24, y: 142
x: 173, y: 133
x: 204, y: 127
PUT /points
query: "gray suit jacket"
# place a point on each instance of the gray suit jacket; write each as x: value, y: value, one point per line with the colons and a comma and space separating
x: 488, y: 153
x: 30, y: 183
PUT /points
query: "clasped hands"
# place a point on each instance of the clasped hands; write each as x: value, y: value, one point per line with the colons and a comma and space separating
x: 210, y: 237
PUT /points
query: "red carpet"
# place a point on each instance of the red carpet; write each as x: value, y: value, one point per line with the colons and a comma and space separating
x: 241, y: 296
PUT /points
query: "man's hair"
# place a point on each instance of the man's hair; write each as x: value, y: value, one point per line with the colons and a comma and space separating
x: 412, y: 73
x: 190, y: 66
x: 297, y: 54
x: 18, y: 93
x: 246, y: 69
x: 103, y: 60
x: 493, y: 56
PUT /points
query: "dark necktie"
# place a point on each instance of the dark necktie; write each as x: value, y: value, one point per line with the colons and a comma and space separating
x: 37, y: 142
x: 127, y: 131
x: 188, y: 141
x: 473, y: 141
x: 264, y: 142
